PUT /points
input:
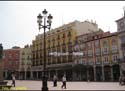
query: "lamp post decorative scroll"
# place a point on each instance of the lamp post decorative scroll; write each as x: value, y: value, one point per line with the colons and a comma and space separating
x: 46, y: 24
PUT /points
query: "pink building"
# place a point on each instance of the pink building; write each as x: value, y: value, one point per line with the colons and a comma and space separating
x: 11, y: 61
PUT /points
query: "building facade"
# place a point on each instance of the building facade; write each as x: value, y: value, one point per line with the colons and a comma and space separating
x: 100, y: 56
x: 59, y: 48
x: 121, y: 30
x: 25, y: 63
x: 11, y: 62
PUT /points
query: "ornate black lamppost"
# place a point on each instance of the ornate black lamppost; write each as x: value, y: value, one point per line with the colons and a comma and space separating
x: 46, y: 24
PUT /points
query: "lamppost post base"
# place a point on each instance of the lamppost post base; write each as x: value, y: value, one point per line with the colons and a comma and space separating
x: 44, y: 88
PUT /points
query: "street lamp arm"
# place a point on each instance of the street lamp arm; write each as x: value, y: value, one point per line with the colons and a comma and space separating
x: 49, y: 26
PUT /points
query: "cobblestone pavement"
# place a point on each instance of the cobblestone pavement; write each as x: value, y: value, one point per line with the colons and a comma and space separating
x: 36, y: 85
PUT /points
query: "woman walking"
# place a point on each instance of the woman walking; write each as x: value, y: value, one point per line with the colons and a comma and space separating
x: 13, y: 80
x: 64, y: 82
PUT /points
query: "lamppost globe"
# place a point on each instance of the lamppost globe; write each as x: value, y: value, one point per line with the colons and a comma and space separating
x: 46, y: 24
x: 45, y: 12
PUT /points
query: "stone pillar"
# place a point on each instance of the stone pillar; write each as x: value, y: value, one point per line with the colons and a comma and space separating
x: 94, y: 67
x: 74, y: 75
x: 120, y: 69
x: 31, y: 74
x: 103, y: 75
x: 25, y: 75
x: 49, y: 75
x: 111, y: 73
x: 36, y: 74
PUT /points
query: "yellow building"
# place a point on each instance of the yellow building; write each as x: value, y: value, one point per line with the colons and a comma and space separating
x: 110, y: 57
x: 59, y: 48
x: 25, y: 63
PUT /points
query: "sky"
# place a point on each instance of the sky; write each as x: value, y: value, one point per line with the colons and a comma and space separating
x: 18, y: 19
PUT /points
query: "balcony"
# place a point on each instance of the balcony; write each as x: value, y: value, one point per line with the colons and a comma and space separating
x: 98, y: 62
x: 90, y: 63
x: 98, y: 53
x: 105, y: 52
x: 106, y: 62
x: 115, y: 51
x: 90, y: 54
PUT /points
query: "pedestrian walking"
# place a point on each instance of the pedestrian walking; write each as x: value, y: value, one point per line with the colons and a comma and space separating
x: 63, y: 82
x: 55, y: 81
x: 13, y: 80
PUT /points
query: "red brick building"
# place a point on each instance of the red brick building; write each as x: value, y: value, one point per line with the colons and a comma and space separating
x: 11, y: 61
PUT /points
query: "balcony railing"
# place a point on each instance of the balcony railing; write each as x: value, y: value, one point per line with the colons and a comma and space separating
x: 90, y: 54
x: 114, y: 51
x: 106, y: 62
x: 98, y: 53
x: 105, y: 52
x: 98, y: 62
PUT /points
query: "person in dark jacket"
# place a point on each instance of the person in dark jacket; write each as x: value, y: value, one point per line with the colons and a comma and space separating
x: 55, y: 81
x: 13, y: 80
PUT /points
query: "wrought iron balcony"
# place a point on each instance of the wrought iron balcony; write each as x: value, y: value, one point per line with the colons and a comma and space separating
x: 105, y: 52
x: 115, y: 51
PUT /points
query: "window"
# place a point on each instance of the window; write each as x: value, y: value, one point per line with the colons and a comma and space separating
x: 115, y: 58
x: 90, y: 61
x: 104, y: 43
x: 28, y: 58
x: 16, y: 56
x: 69, y: 33
x: 98, y: 51
x: 10, y: 55
x: 69, y: 40
x: 89, y: 45
x: 84, y: 53
x: 28, y: 62
x: 113, y: 41
x: 63, y: 35
x: 97, y: 43
x: 90, y: 53
x: 23, y: 53
x: 98, y: 61
x: 105, y: 59
x: 22, y: 63
x: 16, y: 62
x: 81, y: 61
x: 114, y: 49
x: 58, y: 37
x: 105, y: 50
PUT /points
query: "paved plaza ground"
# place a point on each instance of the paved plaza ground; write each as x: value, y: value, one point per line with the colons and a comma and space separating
x: 36, y: 85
